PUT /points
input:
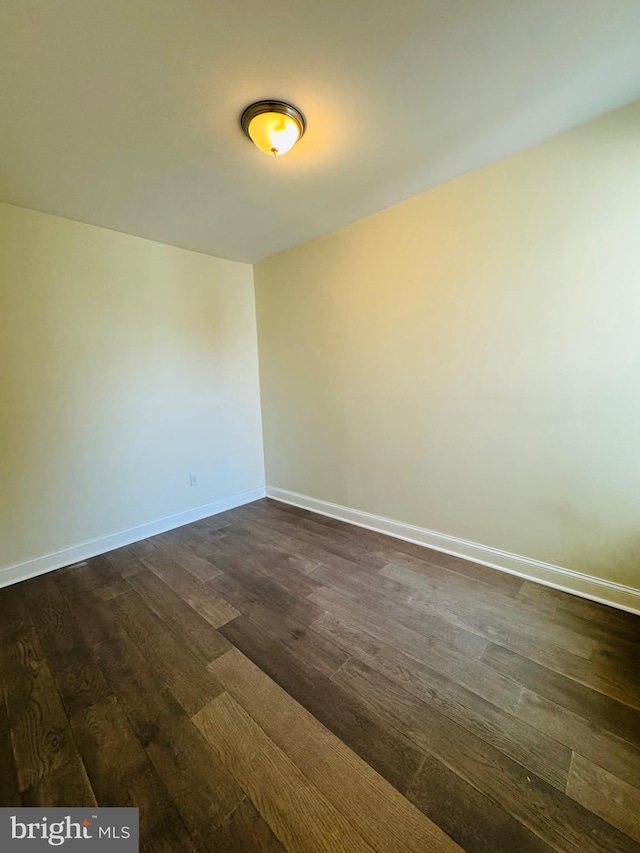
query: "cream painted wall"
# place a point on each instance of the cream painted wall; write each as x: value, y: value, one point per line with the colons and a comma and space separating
x: 124, y: 366
x: 469, y: 360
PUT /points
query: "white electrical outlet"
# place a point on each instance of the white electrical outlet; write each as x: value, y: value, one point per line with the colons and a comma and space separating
x: 193, y: 479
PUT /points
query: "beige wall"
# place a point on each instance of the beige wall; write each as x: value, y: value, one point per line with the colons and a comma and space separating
x: 124, y: 366
x: 469, y: 361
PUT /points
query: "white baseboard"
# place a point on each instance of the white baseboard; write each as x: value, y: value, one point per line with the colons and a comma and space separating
x: 606, y: 592
x: 93, y: 547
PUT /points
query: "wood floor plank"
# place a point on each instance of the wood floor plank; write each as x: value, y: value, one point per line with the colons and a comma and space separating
x: 475, y: 821
x: 472, y: 674
x: 543, y: 645
x: 102, y: 730
x: 381, y: 671
x: 9, y: 791
x: 104, y: 578
x: 556, y: 818
x: 66, y: 787
x: 299, y: 529
x: 506, y: 583
x: 188, y: 539
x: 40, y: 735
x: 409, y: 554
x: 599, y: 709
x: 380, y: 814
x: 220, y: 522
x: 193, y: 630
x: 603, y: 633
x: 246, y: 550
x: 78, y: 678
x: 485, y: 616
x: 616, y: 658
x: 211, y: 608
x: 199, y: 785
x: 313, y: 554
x: 356, y: 581
x: 318, y: 651
x: 148, y: 704
x: 295, y: 810
x: 434, y: 577
x: 263, y: 588
x: 394, y: 610
x: 471, y: 582
x: 204, y: 793
x: 367, y: 546
x: 89, y: 611
x: 98, y: 730
x: 176, y: 666
x: 294, y: 557
x: 246, y: 832
x: 124, y: 562
x: 610, y: 752
x: 616, y: 683
x: 412, y: 554
x: 190, y: 551
x: 341, y: 711
x: 619, y: 622
x: 544, y: 756
x: 606, y: 795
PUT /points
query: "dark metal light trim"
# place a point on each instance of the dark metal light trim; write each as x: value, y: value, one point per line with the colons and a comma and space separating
x: 259, y: 107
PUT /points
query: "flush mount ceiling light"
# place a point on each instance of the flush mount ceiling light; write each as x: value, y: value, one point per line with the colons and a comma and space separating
x: 273, y: 126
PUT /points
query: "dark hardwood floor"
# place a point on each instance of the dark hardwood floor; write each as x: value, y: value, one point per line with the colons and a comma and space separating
x: 269, y: 679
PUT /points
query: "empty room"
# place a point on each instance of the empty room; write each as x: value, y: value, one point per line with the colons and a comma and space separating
x: 320, y: 426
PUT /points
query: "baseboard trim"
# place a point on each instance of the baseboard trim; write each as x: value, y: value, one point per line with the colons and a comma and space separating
x: 93, y: 547
x: 595, y: 589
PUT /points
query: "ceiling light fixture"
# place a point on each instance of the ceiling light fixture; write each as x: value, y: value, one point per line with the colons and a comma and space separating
x: 273, y: 126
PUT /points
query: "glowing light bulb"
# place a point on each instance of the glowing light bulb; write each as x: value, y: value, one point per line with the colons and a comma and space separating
x: 274, y: 133
x: 273, y: 126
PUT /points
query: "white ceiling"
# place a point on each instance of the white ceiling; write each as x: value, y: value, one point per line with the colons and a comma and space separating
x: 125, y: 113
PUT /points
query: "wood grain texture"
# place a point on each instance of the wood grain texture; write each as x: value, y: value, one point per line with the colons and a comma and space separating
x: 471, y: 818
x: 190, y: 550
x: 610, y: 714
x: 394, y: 610
x: 174, y: 663
x: 199, y: 787
x: 103, y: 731
x: 351, y: 692
x: 9, y: 791
x: 472, y: 674
x: 547, y: 758
x: 278, y: 624
x: 341, y: 710
x: 78, y: 678
x: 606, y: 795
x: 38, y: 725
x: 514, y: 627
x: 124, y: 562
x: 89, y: 610
x: 294, y: 808
x: 245, y: 831
x: 241, y: 550
x: 380, y: 814
x: 191, y: 629
x: 555, y: 818
x: 601, y: 747
x: 216, y: 611
x: 67, y: 786
x: 262, y: 588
